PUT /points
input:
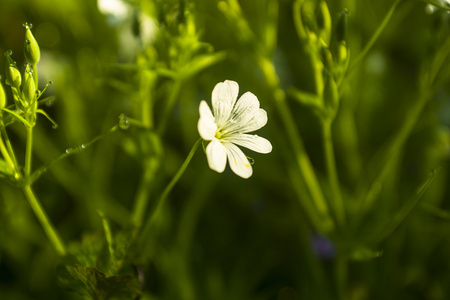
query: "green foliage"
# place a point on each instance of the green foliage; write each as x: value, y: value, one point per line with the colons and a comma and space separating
x: 95, y: 266
x: 115, y: 202
x: 6, y: 172
x: 93, y: 284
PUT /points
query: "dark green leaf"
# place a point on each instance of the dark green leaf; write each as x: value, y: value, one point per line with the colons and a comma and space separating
x: 94, y: 284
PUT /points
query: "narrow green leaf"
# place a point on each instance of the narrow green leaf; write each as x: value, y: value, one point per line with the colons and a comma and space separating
x: 69, y: 151
x: 16, y: 115
x: 401, y: 215
x: 435, y: 211
x: 112, y: 266
x: 305, y: 98
x: 201, y: 62
x: 6, y: 171
x: 363, y: 253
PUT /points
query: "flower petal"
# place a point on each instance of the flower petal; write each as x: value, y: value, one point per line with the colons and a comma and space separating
x: 234, y: 88
x: 206, y: 124
x: 216, y: 155
x: 258, y: 120
x: 245, y: 124
x: 239, y: 163
x: 223, y: 99
x: 245, y: 107
x: 252, y: 142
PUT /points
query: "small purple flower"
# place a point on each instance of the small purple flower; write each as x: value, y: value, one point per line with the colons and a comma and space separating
x: 322, y: 246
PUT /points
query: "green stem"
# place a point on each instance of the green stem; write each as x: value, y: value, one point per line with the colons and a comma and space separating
x: 143, y: 193
x: 330, y: 161
x: 348, y: 141
x: 160, y: 204
x: 146, y: 86
x: 8, y: 145
x: 195, y: 203
x: 395, y: 144
x: 341, y: 274
x: 376, y: 35
x: 301, y: 32
x: 302, y: 159
x: 147, y: 113
x: 5, y: 154
x: 312, y: 48
x: 170, y: 103
x: 151, y: 162
x: 270, y: 37
x: 401, y: 215
x: 318, y: 75
x: 28, y: 152
x: 45, y: 222
x: 35, y: 74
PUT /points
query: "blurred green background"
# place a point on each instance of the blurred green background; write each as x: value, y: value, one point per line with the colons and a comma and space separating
x: 223, y: 237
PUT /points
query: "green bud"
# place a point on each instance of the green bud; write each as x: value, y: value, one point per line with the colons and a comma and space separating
x: 13, y: 77
x: 29, y: 87
x: 341, y: 26
x: 2, y: 96
x: 31, y: 47
x: 327, y: 58
x: 323, y: 21
x: 343, y: 52
x: 298, y: 19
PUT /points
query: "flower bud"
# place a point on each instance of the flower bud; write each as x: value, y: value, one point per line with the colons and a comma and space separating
x: 2, y: 96
x: 341, y: 26
x: 327, y: 58
x: 29, y: 87
x: 343, y: 54
x: 298, y: 19
x: 13, y: 77
x: 31, y: 47
x: 323, y: 21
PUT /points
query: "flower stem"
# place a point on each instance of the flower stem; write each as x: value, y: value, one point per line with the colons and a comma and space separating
x: 9, y: 149
x: 330, y: 161
x: 170, y: 103
x: 150, y: 162
x: 143, y: 193
x: 34, y: 202
x: 45, y: 222
x: 35, y: 75
x: 389, y: 152
x: 302, y: 159
x: 5, y: 154
x: 28, y: 152
x: 160, y: 204
x: 375, y: 36
x: 340, y: 277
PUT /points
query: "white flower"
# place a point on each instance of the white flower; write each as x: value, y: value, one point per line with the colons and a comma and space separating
x: 228, y: 125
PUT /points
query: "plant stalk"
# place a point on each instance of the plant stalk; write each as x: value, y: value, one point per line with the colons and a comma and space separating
x: 178, y: 82
x: 376, y: 35
x: 162, y: 199
x: 28, y: 152
x: 5, y: 154
x: 143, y: 193
x: 9, y: 148
x: 302, y: 159
x: 53, y: 236
x: 330, y: 162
